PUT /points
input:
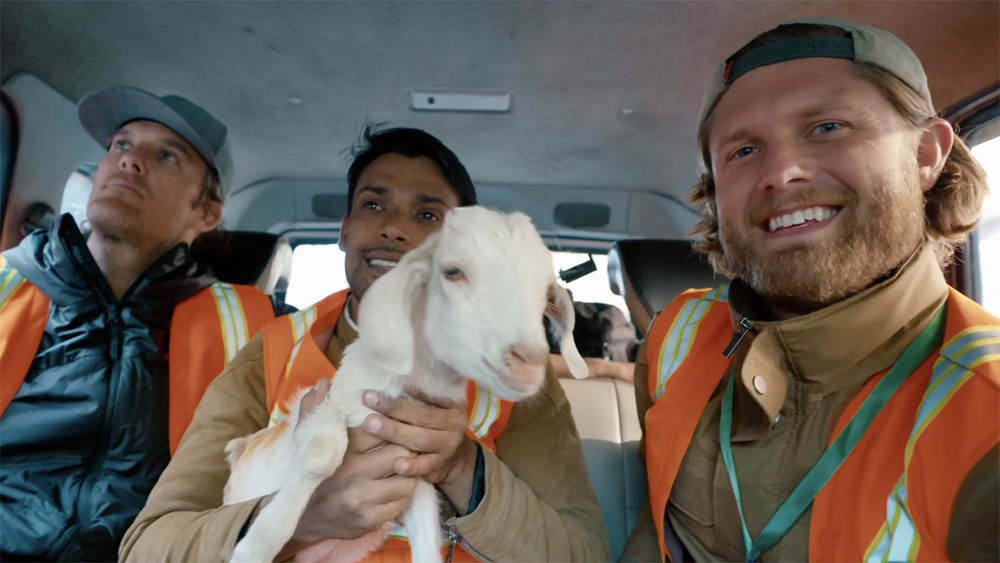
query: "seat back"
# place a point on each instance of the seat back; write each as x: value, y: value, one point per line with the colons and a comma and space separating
x: 650, y: 273
x: 249, y: 258
x: 605, y: 415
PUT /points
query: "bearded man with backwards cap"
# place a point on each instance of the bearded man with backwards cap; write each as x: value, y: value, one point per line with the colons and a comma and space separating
x: 837, y: 401
x: 107, y: 342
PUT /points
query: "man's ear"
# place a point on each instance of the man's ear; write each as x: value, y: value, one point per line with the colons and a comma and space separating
x: 932, y: 152
x: 211, y: 216
x: 343, y: 233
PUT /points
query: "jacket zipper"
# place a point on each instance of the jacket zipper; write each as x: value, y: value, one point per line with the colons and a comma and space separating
x: 113, y: 307
x: 745, y: 326
x: 456, y: 539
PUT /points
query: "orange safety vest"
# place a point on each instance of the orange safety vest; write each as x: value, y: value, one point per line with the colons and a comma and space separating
x: 206, y: 331
x: 293, y: 362
x: 893, y: 496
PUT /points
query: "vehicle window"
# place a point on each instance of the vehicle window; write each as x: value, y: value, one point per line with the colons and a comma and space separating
x: 593, y: 287
x: 318, y: 271
x: 77, y: 193
x: 988, y: 234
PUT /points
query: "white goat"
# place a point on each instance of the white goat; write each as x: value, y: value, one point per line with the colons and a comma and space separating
x: 469, y: 303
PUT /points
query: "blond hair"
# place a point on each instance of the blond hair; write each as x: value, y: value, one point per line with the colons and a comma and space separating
x: 951, y: 208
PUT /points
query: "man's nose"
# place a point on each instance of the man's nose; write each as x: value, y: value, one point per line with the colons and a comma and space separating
x: 786, y: 164
x: 393, y: 231
x: 131, y: 161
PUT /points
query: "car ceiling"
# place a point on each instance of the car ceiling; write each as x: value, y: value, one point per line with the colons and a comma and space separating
x: 572, y: 67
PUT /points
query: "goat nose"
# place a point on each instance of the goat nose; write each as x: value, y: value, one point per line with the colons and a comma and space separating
x: 531, y: 354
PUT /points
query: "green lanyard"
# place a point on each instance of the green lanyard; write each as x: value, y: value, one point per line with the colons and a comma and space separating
x: 831, y: 460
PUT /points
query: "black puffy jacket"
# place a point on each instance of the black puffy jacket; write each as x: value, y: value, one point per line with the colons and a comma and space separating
x: 85, y: 438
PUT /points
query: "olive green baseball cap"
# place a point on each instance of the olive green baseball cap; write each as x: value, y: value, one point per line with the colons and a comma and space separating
x: 863, y: 44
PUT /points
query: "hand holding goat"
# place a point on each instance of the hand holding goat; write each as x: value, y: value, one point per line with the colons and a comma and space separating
x: 468, y: 303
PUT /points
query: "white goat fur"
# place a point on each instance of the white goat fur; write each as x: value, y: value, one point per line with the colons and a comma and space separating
x: 420, y: 324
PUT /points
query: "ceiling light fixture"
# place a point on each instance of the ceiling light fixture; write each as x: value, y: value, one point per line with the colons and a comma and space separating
x: 492, y: 101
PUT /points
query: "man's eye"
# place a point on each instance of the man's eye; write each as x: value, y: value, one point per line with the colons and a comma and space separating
x: 744, y: 151
x: 169, y: 156
x: 370, y: 205
x: 429, y: 216
x: 828, y: 127
x: 121, y: 145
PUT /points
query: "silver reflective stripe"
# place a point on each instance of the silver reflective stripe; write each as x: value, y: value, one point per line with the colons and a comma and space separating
x: 899, y: 539
x: 680, y: 338
x: 301, y: 322
x: 10, y: 281
x: 232, y: 318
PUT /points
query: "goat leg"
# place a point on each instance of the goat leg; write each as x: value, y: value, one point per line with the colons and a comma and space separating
x: 321, y: 442
x: 422, y: 524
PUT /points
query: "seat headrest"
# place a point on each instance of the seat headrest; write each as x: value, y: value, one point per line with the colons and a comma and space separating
x: 248, y: 258
x: 650, y: 273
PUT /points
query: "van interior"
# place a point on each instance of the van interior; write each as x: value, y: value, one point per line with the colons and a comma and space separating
x: 580, y: 114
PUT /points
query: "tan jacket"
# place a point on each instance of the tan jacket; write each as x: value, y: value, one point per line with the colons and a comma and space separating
x: 819, y: 362
x: 539, y: 504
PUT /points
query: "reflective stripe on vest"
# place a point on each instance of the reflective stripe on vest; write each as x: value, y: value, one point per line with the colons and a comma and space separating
x: 899, y: 537
x: 201, y: 345
x: 235, y: 330
x: 24, y: 312
x: 951, y: 404
x: 684, y: 397
x: 681, y: 335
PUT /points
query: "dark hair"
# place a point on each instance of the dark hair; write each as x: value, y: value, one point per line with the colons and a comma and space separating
x: 411, y: 143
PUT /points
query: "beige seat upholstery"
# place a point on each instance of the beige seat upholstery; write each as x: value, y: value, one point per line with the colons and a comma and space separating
x: 649, y: 274
x: 605, y: 415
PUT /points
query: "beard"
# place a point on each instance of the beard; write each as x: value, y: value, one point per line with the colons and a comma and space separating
x: 873, y: 238
x: 113, y: 218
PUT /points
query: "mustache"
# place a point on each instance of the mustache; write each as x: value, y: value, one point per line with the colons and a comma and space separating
x: 389, y: 248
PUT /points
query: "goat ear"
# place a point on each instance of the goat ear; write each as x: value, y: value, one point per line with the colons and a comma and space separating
x: 560, y: 311
x: 386, y: 315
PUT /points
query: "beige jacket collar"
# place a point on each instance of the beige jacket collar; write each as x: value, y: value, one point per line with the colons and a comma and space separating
x: 835, y: 347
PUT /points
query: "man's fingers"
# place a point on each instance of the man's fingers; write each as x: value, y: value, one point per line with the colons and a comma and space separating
x: 419, y: 395
x: 377, y: 463
x: 391, y: 511
x: 360, y: 440
x: 393, y: 489
x: 414, y: 438
x: 417, y: 414
x: 418, y: 466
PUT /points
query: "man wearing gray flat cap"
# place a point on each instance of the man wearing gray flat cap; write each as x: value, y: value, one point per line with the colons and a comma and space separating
x: 119, y: 333
x: 837, y: 401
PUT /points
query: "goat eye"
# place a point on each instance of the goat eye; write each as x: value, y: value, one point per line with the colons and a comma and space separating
x: 453, y: 273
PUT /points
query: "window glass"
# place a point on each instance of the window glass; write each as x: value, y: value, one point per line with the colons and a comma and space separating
x: 318, y: 271
x: 593, y: 287
x: 988, y: 233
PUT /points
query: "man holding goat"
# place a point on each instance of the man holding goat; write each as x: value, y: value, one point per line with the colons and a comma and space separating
x: 520, y: 474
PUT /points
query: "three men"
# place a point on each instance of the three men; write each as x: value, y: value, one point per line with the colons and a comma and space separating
x: 97, y: 385
x: 516, y: 491
x: 837, y: 401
